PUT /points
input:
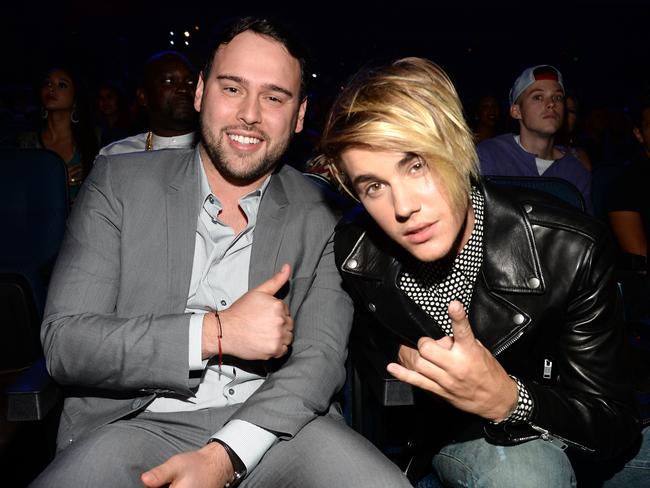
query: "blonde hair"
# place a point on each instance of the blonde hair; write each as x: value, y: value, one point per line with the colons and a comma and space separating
x: 408, y: 106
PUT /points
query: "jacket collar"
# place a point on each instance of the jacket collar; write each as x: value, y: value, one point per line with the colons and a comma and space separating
x: 510, y: 259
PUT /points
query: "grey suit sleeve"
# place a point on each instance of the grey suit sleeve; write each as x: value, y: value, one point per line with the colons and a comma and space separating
x: 305, y: 384
x: 86, y: 341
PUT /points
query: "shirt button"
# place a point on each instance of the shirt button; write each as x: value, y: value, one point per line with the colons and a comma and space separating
x: 372, y: 307
x: 353, y: 263
x: 518, y: 319
x: 223, y: 303
x: 534, y: 283
x: 210, y: 199
x: 231, y: 391
x: 528, y: 208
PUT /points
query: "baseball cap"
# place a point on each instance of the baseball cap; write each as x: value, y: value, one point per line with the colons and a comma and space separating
x: 530, y: 76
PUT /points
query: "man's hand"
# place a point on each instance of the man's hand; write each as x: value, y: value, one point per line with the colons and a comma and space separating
x: 257, y: 326
x: 209, y: 467
x: 460, y: 370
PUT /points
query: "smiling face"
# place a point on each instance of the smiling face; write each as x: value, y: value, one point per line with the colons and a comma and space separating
x: 540, y: 108
x: 406, y: 198
x: 58, y: 91
x: 250, y: 106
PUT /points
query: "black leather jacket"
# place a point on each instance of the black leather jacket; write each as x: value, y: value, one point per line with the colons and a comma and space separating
x: 545, y: 304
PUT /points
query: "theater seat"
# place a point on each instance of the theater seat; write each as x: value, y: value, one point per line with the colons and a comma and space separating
x: 33, y: 211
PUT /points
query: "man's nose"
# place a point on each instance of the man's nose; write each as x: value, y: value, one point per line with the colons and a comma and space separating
x: 404, y: 202
x: 250, y: 111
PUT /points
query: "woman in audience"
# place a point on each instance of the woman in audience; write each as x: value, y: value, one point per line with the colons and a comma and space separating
x: 66, y: 127
x: 112, y: 113
x: 569, y: 131
x: 488, y: 121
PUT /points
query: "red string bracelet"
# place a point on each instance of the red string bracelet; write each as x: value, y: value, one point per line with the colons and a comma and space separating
x: 219, y: 336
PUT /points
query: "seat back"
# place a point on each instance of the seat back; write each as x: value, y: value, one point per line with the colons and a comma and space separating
x: 33, y: 211
x: 562, y: 189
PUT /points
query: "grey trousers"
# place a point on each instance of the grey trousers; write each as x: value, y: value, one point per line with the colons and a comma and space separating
x: 325, y: 453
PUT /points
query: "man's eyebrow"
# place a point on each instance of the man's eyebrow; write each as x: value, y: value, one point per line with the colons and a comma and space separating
x: 362, y: 178
x: 408, y: 157
x: 265, y: 86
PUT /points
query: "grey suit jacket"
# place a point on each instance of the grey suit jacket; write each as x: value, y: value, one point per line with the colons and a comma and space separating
x: 115, y: 332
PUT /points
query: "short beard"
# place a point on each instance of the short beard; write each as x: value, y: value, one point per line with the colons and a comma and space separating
x: 248, y: 173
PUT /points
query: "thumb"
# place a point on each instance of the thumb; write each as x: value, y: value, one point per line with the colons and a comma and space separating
x: 460, y: 323
x: 158, y: 476
x: 275, y: 282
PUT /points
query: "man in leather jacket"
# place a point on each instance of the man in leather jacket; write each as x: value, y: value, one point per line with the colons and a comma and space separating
x: 501, y: 303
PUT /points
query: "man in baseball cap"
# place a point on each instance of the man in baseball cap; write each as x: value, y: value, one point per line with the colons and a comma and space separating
x: 537, y: 102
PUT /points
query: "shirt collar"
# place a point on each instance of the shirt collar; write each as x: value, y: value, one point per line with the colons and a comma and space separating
x: 206, y: 192
x: 163, y: 142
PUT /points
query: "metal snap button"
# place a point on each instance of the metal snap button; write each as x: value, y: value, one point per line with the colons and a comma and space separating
x: 534, y: 282
x: 528, y: 208
x: 353, y: 263
x: 518, y: 319
x: 371, y: 307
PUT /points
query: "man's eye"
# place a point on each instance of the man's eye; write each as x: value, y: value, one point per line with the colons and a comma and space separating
x: 418, y: 166
x: 231, y: 90
x: 168, y: 81
x: 373, y: 188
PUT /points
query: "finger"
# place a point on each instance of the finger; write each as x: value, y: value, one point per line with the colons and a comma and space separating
x: 277, y: 281
x: 158, y: 476
x: 460, y: 323
x: 414, y: 378
x: 445, y: 342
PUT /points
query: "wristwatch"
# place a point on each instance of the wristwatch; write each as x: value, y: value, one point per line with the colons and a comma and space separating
x: 237, y: 464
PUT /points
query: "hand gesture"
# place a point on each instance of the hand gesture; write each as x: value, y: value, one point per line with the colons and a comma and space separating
x: 256, y: 326
x: 460, y: 370
x: 209, y: 467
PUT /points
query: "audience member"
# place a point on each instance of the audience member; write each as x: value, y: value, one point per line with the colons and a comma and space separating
x: 167, y: 94
x: 628, y: 206
x: 112, y: 113
x: 567, y: 137
x: 487, y: 120
x: 171, y: 261
x: 500, y: 303
x: 66, y: 127
x: 537, y: 102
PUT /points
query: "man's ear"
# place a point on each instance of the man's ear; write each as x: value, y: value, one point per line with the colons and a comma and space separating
x: 141, y: 97
x: 198, y: 94
x: 300, y: 121
x: 515, y: 112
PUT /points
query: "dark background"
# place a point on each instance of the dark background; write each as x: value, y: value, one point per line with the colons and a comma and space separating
x: 602, y: 47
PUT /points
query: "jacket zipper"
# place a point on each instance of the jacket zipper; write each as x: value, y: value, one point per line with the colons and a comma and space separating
x: 508, y: 343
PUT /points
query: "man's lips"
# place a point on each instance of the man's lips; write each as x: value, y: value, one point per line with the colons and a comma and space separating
x: 244, y: 141
x: 420, y: 233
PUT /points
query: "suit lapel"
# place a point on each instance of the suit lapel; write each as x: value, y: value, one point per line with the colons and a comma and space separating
x: 269, y: 232
x: 182, y: 206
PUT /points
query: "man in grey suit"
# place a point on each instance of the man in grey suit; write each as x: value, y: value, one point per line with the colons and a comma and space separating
x: 194, y: 353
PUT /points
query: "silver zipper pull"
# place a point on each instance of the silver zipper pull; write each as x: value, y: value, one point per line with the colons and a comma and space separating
x: 548, y: 368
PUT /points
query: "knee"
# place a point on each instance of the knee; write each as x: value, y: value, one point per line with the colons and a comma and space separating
x: 95, y: 462
x: 529, y: 465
